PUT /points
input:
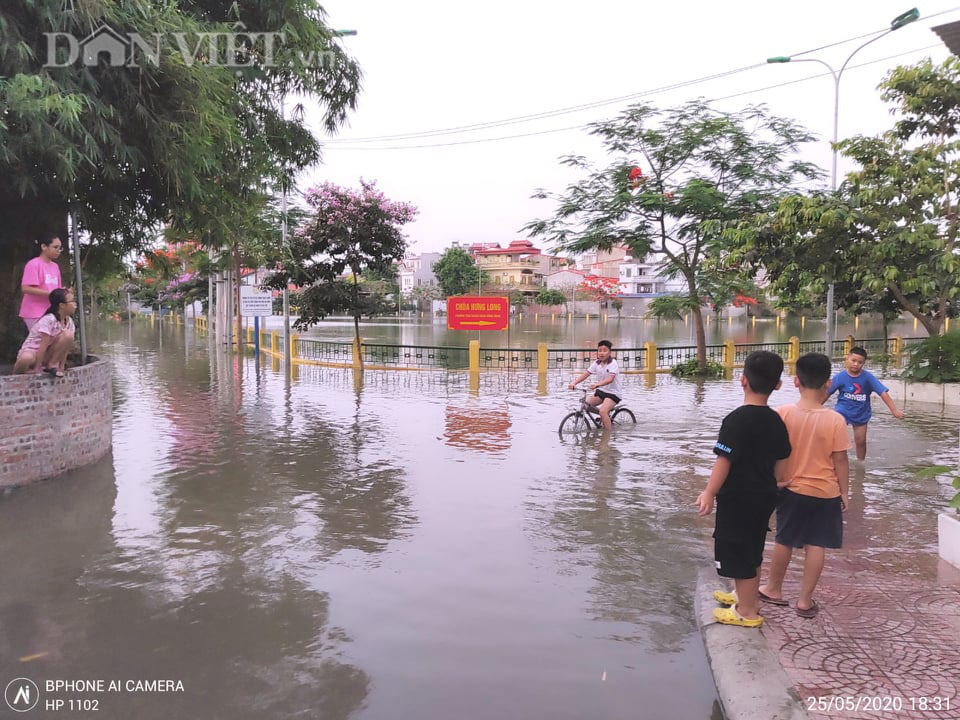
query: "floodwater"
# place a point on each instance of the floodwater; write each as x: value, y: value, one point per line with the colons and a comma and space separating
x: 561, y: 332
x: 310, y: 547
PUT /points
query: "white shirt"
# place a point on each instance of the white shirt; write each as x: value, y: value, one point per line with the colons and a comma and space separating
x: 602, y: 372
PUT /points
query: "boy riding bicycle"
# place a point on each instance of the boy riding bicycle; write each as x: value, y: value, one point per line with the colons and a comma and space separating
x: 606, y: 374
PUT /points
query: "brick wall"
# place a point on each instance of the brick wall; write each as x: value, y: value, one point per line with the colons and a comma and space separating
x: 49, y: 426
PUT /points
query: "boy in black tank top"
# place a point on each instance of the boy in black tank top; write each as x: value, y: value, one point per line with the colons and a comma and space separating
x: 750, y: 449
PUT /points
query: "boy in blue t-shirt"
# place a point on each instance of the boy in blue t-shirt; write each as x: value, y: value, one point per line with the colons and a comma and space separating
x: 855, y: 385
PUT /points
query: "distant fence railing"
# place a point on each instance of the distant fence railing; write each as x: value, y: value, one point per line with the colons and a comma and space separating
x: 649, y: 358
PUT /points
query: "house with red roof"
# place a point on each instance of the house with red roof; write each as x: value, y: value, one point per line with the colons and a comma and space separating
x: 519, y: 266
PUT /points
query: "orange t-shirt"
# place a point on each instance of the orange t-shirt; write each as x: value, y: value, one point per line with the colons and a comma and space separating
x: 814, y: 436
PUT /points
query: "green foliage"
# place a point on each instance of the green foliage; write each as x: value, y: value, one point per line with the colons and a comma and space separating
x: 424, y: 293
x: 937, y: 470
x: 891, y: 229
x: 456, y: 272
x: 346, y: 230
x: 691, y: 368
x: 704, y: 171
x: 178, y: 142
x: 669, y: 307
x: 550, y: 297
x: 935, y: 360
x: 517, y: 299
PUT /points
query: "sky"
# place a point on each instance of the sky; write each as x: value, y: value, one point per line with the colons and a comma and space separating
x: 431, y: 65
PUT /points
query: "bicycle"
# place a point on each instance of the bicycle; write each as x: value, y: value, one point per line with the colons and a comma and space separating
x: 587, y: 417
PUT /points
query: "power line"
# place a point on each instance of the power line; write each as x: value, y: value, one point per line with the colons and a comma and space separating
x: 540, y: 115
x: 587, y: 125
x: 585, y: 106
x: 824, y: 74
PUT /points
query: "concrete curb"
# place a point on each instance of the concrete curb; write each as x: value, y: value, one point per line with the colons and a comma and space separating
x: 750, y: 681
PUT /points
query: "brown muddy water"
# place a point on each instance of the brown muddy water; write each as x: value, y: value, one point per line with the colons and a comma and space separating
x: 306, y: 547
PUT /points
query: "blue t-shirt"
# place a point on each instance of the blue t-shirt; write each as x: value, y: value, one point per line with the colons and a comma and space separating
x: 853, y: 402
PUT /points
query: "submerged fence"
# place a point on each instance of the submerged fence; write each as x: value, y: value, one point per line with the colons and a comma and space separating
x: 650, y: 358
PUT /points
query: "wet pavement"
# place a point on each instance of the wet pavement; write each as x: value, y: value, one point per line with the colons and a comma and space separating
x: 886, y: 643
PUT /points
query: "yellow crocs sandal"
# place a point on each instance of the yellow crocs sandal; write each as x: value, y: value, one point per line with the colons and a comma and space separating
x: 730, y: 616
x: 725, y: 598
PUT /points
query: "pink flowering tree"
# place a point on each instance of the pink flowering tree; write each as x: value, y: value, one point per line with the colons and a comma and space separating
x: 346, y: 231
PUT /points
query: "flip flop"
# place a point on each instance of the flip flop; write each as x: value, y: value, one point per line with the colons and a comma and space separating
x: 730, y: 616
x: 772, y: 600
x: 810, y: 612
x: 725, y: 598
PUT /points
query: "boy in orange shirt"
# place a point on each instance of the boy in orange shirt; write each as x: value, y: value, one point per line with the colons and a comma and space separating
x: 810, y: 510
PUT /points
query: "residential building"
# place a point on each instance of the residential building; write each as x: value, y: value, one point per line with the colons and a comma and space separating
x: 640, y: 278
x: 606, y: 263
x: 417, y: 271
x: 519, y: 266
x: 566, y: 279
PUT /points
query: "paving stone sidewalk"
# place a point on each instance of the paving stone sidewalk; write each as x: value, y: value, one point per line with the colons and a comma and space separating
x: 886, y: 643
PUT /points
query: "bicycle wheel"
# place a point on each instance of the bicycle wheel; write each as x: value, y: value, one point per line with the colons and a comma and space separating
x: 574, y: 424
x: 623, y: 416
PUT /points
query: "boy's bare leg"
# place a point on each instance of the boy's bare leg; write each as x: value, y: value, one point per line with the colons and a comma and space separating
x: 860, y: 441
x: 812, y: 567
x: 779, y: 561
x: 605, y: 409
x: 748, y: 602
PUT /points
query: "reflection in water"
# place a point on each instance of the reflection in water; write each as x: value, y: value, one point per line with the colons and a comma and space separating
x: 617, y: 529
x: 485, y: 429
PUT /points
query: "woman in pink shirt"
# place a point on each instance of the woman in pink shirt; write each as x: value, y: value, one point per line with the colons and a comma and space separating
x: 40, y: 276
x: 50, y: 338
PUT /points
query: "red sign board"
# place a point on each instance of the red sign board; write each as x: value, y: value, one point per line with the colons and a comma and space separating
x: 475, y: 312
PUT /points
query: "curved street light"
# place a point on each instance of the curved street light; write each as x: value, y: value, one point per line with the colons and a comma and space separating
x: 895, y: 24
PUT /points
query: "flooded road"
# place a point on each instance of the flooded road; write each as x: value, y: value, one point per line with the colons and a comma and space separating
x: 561, y: 332
x: 312, y: 548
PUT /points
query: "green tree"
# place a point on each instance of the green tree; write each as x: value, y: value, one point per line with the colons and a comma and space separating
x: 385, y: 283
x: 550, y: 297
x: 517, y: 299
x: 617, y: 304
x: 128, y: 149
x: 424, y: 293
x: 456, y: 272
x: 670, y: 307
x: 892, y: 226
x: 347, y: 230
x: 705, y: 170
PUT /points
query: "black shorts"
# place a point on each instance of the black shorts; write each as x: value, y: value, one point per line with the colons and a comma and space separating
x: 806, y: 520
x: 604, y: 395
x: 740, y: 534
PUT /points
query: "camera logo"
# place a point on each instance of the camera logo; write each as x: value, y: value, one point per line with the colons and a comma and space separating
x: 21, y: 694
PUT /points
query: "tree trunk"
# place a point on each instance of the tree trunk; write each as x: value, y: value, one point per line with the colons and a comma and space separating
x: 931, y: 325
x: 22, y: 222
x: 698, y: 324
x: 356, y: 317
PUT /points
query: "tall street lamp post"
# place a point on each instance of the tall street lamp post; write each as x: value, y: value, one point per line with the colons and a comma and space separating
x: 897, y: 23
